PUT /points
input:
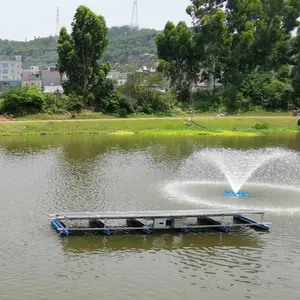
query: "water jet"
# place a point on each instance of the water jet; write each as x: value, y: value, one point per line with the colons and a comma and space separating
x: 219, y: 178
x: 237, y: 165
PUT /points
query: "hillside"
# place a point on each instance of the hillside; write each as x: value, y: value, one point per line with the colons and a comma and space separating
x: 127, y: 48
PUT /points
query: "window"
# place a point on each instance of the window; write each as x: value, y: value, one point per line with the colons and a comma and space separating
x: 5, y: 65
x: 5, y: 71
x: 5, y: 77
x: 18, y: 66
x: 12, y: 65
x: 12, y: 71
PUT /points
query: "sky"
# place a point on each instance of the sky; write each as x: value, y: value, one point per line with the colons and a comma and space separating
x: 22, y: 19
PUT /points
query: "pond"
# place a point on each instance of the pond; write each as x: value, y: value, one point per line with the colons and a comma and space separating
x: 47, y: 174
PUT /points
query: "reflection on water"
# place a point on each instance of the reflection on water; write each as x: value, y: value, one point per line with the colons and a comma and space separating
x: 92, y: 244
x: 41, y: 175
x: 88, y: 148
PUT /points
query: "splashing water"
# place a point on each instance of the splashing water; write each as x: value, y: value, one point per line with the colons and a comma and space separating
x: 237, y: 165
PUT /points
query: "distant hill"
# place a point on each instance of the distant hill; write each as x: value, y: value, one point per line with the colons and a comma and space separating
x: 128, y: 48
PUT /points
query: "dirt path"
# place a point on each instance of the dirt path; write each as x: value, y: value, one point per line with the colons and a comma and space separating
x: 7, y: 121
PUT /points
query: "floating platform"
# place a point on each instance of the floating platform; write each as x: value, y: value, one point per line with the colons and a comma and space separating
x: 149, y: 221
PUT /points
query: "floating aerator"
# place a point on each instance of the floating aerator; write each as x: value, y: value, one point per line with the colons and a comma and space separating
x: 233, y: 194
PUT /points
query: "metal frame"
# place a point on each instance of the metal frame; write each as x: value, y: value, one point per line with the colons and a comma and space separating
x: 207, y: 212
x: 151, y: 215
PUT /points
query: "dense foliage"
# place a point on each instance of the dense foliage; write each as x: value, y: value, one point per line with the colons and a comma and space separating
x: 28, y: 100
x: 246, y: 45
x: 126, y: 46
x: 239, y: 55
x: 119, y: 101
x: 80, y: 57
x: 79, y: 53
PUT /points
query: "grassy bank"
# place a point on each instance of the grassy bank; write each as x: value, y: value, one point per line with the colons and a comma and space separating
x: 204, y: 126
x: 99, y: 116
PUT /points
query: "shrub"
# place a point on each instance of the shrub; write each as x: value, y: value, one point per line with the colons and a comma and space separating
x: 55, y: 104
x: 122, y: 112
x: 263, y: 126
x: 75, y: 103
x: 22, y: 101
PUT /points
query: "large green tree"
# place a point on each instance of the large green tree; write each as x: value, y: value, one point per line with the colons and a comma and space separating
x: 212, y: 42
x: 231, y: 41
x: 79, y: 52
x: 175, y: 48
x: 260, y: 31
x: 295, y: 74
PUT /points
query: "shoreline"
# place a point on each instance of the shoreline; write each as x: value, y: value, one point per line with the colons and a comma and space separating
x: 222, y: 126
x: 110, y: 119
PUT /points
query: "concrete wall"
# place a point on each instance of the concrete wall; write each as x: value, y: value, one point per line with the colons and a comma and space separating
x: 9, y: 84
x: 51, y: 77
x: 37, y: 83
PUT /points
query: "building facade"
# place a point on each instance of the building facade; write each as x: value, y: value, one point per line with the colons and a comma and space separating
x: 11, y: 70
x: 32, y: 77
x: 52, y: 80
x: 51, y: 77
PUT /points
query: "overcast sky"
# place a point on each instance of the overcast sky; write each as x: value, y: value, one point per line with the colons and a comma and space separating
x: 22, y: 19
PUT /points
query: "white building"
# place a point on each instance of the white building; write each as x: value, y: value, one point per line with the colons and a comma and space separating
x: 114, y: 74
x: 52, y: 89
x: 11, y: 70
x: 120, y: 78
x: 146, y: 71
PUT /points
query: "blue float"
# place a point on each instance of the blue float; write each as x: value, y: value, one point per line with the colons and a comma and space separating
x: 185, y: 230
x: 256, y: 225
x: 60, y: 227
x: 233, y: 194
x: 146, y: 231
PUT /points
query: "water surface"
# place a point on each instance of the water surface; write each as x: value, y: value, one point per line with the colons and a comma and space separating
x: 41, y: 175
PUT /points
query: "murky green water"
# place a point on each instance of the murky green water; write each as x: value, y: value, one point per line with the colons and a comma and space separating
x: 41, y: 175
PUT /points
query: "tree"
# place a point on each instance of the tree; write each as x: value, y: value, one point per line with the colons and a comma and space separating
x: 232, y: 39
x: 175, y: 49
x: 295, y: 74
x: 212, y: 42
x: 79, y: 52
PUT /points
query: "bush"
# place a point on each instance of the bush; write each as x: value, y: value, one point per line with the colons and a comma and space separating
x: 277, y: 95
x: 257, y: 89
x: 122, y: 112
x: 110, y: 104
x: 74, y: 103
x: 142, y: 99
x: 263, y: 126
x: 22, y: 101
x: 206, y: 102
x: 150, y: 101
x: 55, y: 104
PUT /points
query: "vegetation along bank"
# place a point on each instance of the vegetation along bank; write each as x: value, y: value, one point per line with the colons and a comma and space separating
x: 154, y: 126
x: 241, y: 59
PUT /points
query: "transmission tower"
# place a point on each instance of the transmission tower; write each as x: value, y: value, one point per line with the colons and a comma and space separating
x: 57, y: 23
x: 135, y: 15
